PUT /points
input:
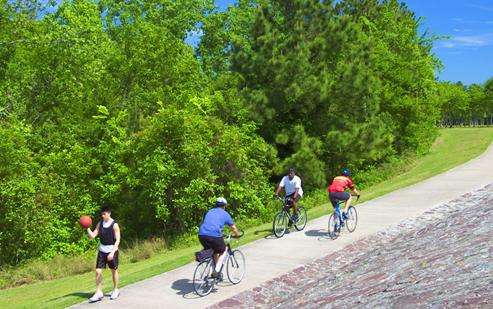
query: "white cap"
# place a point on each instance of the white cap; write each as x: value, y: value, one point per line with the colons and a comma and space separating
x: 221, y: 200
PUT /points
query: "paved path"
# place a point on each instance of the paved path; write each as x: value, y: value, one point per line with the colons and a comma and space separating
x: 270, y: 258
x: 443, y: 258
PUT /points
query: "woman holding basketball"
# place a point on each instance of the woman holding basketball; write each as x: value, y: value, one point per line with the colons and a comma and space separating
x: 109, y: 235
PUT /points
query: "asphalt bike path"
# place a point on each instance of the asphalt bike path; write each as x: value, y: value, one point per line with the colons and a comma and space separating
x: 270, y: 257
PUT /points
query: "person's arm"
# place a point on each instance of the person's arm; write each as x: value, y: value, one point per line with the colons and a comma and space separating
x: 116, y: 228
x: 278, y: 190
x: 280, y: 186
x: 229, y: 221
x: 233, y: 228
x: 93, y: 234
x: 353, y: 187
x: 297, y: 188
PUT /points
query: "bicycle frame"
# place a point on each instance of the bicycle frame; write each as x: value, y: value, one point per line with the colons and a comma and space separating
x: 229, y: 252
x: 283, y: 208
x: 337, y: 210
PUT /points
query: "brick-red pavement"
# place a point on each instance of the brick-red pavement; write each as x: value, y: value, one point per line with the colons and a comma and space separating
x: 441, y: 259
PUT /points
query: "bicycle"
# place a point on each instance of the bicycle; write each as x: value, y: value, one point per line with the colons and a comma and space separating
x: 337, y: 222
x: 203, y: 282
x: 282, y: 218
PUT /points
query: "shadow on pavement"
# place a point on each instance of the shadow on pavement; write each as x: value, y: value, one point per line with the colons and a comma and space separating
x: 272, y: 236
x: 184, y: 287
x: 262, y: 231
x: 321, y: 234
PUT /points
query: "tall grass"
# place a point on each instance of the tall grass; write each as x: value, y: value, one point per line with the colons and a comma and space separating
x: 63, y: 266
x: 39, y: 270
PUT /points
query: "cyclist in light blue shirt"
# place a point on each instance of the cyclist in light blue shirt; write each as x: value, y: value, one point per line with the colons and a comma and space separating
x: 211, y: 231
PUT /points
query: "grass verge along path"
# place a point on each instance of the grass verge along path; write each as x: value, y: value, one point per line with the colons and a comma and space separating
x: 452, y: 148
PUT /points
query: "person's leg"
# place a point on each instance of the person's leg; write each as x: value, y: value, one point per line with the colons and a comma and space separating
x: 100, y: 264
x: 347, y: 203
x: 335, y: 197
x: 98, y: 295
x: 216, y: 259
x: 291, y: 202
x: 295, y: 207
x: 116, y: 278
x: 99, y: 281
x: 219, y: 247
x: 209, y: 242
x: 113, y: 265
x: 219, y: 261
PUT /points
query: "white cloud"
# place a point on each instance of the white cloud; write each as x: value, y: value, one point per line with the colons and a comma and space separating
x: 481, y: 7
x: 469, y: 21
x: 447, y: 44
x: 468, y: 41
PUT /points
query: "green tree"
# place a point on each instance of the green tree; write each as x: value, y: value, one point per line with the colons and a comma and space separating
x: 309, y: 66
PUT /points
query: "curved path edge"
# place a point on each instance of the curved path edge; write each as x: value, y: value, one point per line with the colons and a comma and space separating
x: 270, y: 258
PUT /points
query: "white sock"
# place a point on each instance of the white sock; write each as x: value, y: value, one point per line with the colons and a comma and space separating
x: 220, y: 261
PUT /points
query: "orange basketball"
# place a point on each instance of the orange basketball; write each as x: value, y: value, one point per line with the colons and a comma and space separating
x: 85, y: 221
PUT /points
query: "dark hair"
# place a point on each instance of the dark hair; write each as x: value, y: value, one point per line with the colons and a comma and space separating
x: 292, y: 169
x: 105, y: 208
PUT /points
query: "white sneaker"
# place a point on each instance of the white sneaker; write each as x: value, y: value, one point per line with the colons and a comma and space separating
x: 96, y: 297
x: 115, y: 294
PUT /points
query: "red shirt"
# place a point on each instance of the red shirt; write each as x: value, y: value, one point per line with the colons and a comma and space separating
x: 340, y: 183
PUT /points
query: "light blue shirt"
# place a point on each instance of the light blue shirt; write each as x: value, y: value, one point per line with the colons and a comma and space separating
x: 214, y: 222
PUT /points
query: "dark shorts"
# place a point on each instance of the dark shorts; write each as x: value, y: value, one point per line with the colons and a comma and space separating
x: 289, y: 198
x: 215, y: 243
x: 102, y: 260
x: 335, y: 197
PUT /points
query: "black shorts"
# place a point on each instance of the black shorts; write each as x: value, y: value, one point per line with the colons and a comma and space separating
x: 102, y: 260
x: 215, y: 243
x: 335, y: 197
x: 288, y: 200
x: 291, y: 197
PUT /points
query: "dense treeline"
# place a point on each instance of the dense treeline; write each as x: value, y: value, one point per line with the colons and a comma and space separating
x: 105, y: 102
x: 466, y: 106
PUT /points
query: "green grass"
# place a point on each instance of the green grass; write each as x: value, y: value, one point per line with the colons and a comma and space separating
x: 453, y: 147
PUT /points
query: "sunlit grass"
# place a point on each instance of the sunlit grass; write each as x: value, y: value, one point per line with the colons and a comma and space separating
x: 453, y: 147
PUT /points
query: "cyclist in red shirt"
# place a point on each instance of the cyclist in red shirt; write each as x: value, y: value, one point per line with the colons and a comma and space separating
x: 337, y: 190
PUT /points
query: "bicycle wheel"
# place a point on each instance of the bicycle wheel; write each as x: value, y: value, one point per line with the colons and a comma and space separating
x: 202, y: 281
x: 352, y: 219
x: 302, y: 218
x: 235, y: 267
x: 280, y: 224
x: 333, y: 227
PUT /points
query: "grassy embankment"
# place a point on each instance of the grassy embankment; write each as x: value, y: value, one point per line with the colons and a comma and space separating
x: 453, y: 147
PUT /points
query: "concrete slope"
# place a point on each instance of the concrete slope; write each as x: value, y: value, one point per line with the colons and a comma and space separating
x: 268, y: 258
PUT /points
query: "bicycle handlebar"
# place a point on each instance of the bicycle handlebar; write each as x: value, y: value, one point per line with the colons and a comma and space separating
x: 230, y: 235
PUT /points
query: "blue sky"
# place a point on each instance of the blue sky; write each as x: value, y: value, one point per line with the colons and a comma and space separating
x: 467, y: 55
